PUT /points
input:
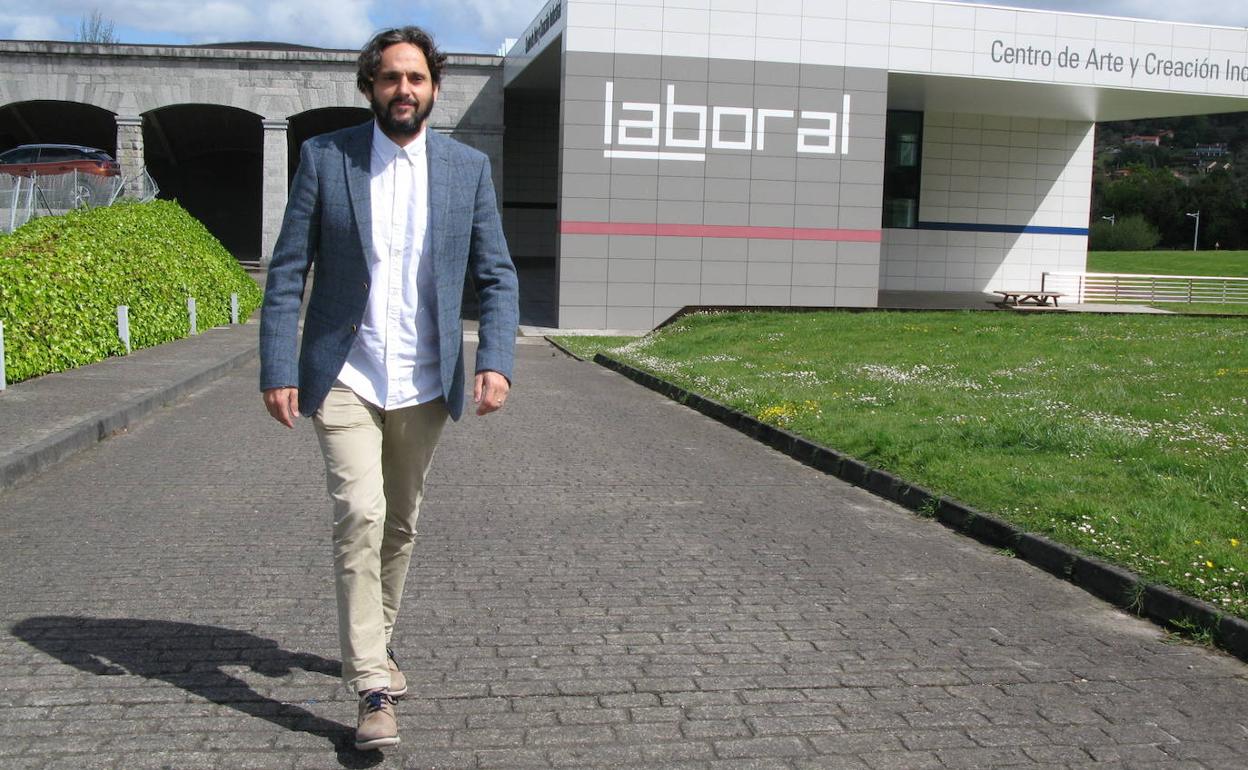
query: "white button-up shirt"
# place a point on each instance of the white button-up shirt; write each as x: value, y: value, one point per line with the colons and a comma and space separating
x: 393, y: 362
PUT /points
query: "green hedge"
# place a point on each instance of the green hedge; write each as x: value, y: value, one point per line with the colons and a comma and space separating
x: 62, y: 278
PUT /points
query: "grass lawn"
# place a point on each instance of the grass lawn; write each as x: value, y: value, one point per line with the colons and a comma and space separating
x: 1228, y: 264
x: 1126, y: 436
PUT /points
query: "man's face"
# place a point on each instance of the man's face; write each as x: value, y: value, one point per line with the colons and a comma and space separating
x: 403, y: 92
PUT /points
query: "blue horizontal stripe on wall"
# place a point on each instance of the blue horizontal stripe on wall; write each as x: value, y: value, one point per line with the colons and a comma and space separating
x: 971, y: 227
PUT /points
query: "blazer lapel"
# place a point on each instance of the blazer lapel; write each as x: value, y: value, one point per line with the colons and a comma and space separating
x: 358, y: 157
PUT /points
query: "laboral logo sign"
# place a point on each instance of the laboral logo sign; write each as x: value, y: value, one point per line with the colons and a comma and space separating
x: 674, y: 130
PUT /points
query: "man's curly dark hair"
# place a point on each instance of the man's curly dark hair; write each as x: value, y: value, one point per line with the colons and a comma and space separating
x: 370, y: 56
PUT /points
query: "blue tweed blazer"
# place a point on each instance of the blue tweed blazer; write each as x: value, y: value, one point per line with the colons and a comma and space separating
x: 328, y: 224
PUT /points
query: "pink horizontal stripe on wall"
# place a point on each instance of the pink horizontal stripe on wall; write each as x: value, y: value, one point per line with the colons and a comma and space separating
x: 720, y: 231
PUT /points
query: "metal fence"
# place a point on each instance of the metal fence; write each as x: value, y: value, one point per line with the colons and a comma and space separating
x: 1126, y: 287
x: 24, y: 198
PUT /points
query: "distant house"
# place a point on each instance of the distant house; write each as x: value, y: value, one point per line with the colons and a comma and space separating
x: 1215, y: 150
x: 1142, y: 140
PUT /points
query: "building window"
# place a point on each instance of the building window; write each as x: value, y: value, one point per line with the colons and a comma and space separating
x: 903, y: 154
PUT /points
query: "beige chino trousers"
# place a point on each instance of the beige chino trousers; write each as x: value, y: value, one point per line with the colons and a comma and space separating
x: 376, y: 461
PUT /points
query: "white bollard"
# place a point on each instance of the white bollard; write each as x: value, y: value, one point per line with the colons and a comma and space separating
x: 2, y: 377
x: 123, y: 326
x: 190, y: 311
x: 234, y: 309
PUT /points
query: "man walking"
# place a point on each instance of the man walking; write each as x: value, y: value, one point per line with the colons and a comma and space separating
x: 394, y: 217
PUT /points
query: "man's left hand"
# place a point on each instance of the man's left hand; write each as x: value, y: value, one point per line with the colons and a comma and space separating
x: 489, y: 391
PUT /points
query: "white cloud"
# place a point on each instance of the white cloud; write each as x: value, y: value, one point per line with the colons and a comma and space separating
x: 477, y: 25
x: 29, y: 27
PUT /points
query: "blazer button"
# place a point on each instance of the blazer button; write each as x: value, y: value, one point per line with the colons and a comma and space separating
x: 354, y: 328
x: 365, y: 284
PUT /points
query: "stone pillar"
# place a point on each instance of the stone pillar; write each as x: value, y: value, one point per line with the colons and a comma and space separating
x: 130, y: 144
x: 274, y: 190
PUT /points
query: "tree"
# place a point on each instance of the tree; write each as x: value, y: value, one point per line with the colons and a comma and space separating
x: 96, y: 29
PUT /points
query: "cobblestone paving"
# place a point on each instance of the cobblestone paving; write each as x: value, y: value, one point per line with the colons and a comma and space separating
x: 604, y: 579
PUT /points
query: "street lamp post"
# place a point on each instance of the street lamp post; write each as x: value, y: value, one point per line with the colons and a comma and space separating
x: 1196, y: 234
x: 1111, y: 218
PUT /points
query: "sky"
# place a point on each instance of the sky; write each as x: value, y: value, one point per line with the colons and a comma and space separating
x: 460, y: 26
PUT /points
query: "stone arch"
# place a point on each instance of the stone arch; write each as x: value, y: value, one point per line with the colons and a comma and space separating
x: 310, y: 123
x: 209, y: 157
x: 43, y: 121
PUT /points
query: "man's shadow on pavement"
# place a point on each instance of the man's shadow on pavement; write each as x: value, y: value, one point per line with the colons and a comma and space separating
x: 190, y: 656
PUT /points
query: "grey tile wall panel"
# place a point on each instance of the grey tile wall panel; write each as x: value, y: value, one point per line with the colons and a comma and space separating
x: 678, y: 248
x: 723, y: 272
x: 623, y: 210
x: 858, y: 254
x: 583, y: 112
x: 638, y: 66
x: 731, y: 71
x: 768, y: 295
x: 782, y: 168
x: 630, y: 317
x: 858, y: 276
x: 685, y: 68
x: 811, y: 274
x: 859, y: 79
x: 776, y: 98
x: 681, y: 212
x: 635, y: 89
x: 771, y: 215
x: 585, y: 209
x: 682, y: 169
x: 856, y: 297
x: 817, y: 193
x: 576, y: 317
x: 634, y: 187
x: 769, y: 250
x: 677, y: 294
x: 818, y: 76
x: 716, y: 213
x: 668, y: 270
x: 730, y: 94
x: 776, y: 73
x: 630, y: 294
x: 855, y: 218
x: 812, y: 296
x: 582, y: 292
x: 769, y: 274
x: 735, y: 165
x: 581, y: 269
x: 863, y: 195
x: 723, y: 190
x: 630, y: 246
x: 817, y: 252
x: 723, y: 294
x: 725, y: 249
x: 816, y: 169
x: 862, y: 172
x: 585, y: 63
x: 868, y: 103
x: 587, y: 185
x: 630, y: 271
x: 690, y: 93
x: 664, y: 312
x: 585, y: 87
x: 769, y: 191
x: 585, y: 161
x: 684, y: 188
x: 816, y: 216
x: 583, y: 246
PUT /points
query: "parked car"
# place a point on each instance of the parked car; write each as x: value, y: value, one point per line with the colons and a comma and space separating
x: 51, y: 159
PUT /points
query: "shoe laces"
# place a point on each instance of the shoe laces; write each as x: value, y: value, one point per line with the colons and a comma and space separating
x: 390, y: 655
x: 376, y: 700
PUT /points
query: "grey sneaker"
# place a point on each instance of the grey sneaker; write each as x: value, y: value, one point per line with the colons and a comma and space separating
x: 398, y: 682
x: 378, y: 727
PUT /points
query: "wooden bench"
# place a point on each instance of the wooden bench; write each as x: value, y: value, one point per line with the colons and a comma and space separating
x: 1016, y: 298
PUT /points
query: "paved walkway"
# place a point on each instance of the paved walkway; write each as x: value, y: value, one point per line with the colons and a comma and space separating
x: 604, y: 579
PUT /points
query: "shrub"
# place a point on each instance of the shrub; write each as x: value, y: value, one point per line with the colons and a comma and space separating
x: 62, y: 278
x: 1132, y: 233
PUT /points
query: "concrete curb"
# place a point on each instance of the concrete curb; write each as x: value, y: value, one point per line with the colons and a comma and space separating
x: 32, y: 459
x: 1116, y: 585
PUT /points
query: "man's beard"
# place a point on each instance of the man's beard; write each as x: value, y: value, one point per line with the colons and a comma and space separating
x: 391, y: 124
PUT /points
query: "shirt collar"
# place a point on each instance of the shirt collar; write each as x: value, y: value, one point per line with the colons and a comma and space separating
x: 386, y: 150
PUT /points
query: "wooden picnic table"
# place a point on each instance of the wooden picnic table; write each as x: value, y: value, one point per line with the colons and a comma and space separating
x: 1028, y: 297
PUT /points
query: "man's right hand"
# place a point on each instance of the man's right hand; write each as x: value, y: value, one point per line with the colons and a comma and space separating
x: 283, y: 404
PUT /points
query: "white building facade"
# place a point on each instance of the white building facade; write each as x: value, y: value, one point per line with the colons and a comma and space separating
x: 801, y: 153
